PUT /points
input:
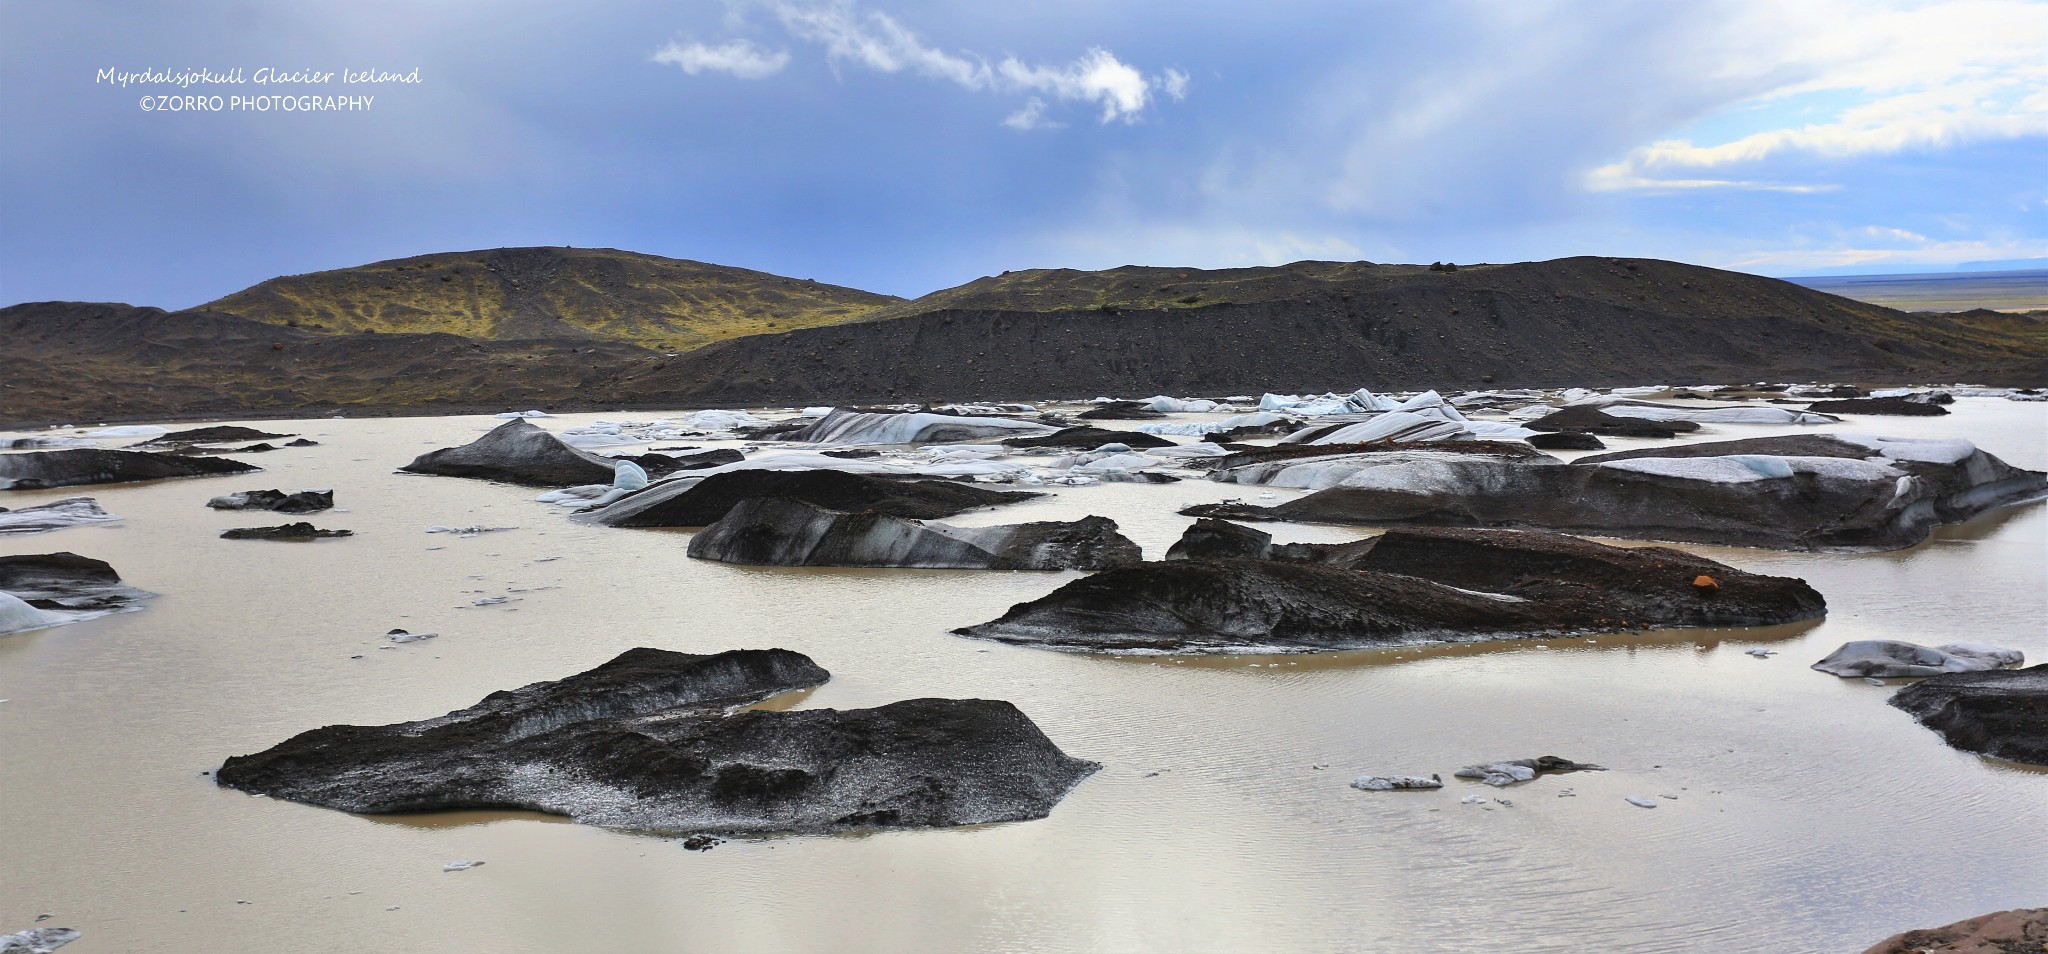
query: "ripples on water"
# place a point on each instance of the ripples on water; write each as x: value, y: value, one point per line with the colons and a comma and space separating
x: 1808, y: 815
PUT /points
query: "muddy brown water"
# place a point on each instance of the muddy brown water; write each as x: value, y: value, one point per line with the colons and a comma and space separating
x: 1798, y: 812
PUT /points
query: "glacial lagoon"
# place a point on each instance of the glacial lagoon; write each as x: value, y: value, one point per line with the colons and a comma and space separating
x: 1795, y: 811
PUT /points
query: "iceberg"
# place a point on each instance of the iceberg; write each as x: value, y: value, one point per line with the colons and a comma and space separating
x: 131, y: 430
x: 1716, y: 415
x: 1204, y: 428
x: 875, y: 427
x: 55, y: 515
x: 16, y: 616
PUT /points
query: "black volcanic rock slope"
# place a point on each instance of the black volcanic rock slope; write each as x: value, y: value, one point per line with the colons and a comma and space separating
x: 1308, y: 326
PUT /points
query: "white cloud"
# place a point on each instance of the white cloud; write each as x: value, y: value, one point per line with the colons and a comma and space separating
x: 1918, y: 76
x: 1175, y: 82
x: 1097, y: 77
x: 874, y: 40
x: 741, y: 58
x: 1925, y: 253
x: 1032, y: 116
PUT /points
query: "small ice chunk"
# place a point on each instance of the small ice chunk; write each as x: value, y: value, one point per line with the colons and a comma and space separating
x: 1472, y: 800
x: 401, y: 636
x: 1388, y: 783
x: 131, y: 430
x: 1498, y: 774
x: 627, y: 475
x: 37, y: 940
x: 1640, y: 801
x: 1761, y: 653
x: 460, y: 865
x: 509, y: 415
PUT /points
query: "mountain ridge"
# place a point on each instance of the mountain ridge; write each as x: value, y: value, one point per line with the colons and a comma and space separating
x: 1043, y: 334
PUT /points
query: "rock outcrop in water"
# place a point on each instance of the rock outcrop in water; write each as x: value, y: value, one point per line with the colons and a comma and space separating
x: 70, y: 467
x: 779, y: 531
x: 1589, y: 419
x: 516, y: 452
x: 55, y: 515
x: 645, y: 743
x: 52, y: 589
x: 66, y: 581
x: 700, y: 504
x: 218, y: 434
x: 1884, y: 659
x: 1406, y: 586
x: 1566, y: 440
x: 300, y: 531
x: 2019, y: 931
x: 1800, y: 492
x: 305, y: 501
x: 1900, y: 407
x: 2002, y: 713
x: 1089, y: 438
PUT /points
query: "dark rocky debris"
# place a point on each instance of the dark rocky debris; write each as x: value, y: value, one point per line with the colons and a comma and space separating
x: 87, y: 465
x: 1763, y: 492
x: 1592, y: 420
x: 1405, y: 586
x: 672, y: 504
x: 218, y: 434
x: 65, y: 581
x: 2002, y: 713
x: 517, y: 452
x: 1120, y: 411
x: 1566, y: 440
x: 780, y: 531
x: 305, y: 501
x: 651, y: 742
x: 1894, y: 406
x: 289, y: 531
x: 1089, y: 438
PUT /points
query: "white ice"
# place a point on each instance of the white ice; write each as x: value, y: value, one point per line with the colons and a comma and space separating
x: 1754, y: 414
x: 1928, y: 450
x: 131, y: 430
x: 1744, y: 468
x: 508, y: 415
x: 55, y: 515
x: 1388, y: 783
x: 16, y: 616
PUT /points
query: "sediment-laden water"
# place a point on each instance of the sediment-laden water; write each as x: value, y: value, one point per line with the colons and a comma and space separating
x: 1797, y: 811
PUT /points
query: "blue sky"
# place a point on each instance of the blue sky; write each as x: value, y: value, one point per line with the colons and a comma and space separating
x: 904, y: 146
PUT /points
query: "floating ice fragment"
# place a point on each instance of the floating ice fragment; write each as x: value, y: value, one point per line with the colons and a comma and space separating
x: 460, y: 865
x: 401, y: 636
x: 1388, y: 783
x: 1640, y: 801
x: 1472, y: 800
x: 130, y: 430
x: 510, y: 415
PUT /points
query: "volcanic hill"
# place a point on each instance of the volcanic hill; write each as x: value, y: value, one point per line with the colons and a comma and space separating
x: 570, y: 329
x: 597, y: 294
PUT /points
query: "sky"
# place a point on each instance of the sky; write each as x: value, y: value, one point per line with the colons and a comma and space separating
x: 904, y: 147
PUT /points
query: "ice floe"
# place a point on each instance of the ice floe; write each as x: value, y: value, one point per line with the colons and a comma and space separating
x: 1891, y: 658
x: 17, y: 616
x: 55, y: 515
x: 1203, y: 428
x: 869, y: 427
x: 1388, y: 783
